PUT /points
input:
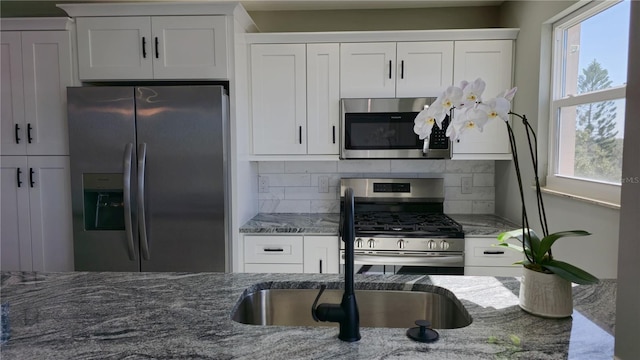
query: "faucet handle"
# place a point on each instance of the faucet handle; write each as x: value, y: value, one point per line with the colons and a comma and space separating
x: 315, y: 303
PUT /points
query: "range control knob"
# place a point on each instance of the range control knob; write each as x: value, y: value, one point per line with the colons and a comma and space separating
x: 401, y: 244
x: 431, y: 245
x: 358, y: 242
x: 444, y: 245
x: 371, y: 243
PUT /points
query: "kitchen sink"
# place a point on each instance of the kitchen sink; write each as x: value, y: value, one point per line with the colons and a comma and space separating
x: 378, y: 308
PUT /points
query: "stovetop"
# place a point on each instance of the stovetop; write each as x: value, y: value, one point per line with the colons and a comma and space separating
x: 406, y: 224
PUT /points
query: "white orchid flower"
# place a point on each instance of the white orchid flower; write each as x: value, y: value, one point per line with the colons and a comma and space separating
x: 428, y: 117
x: 450, y: 98
x: 508, y: 94
x: 496, y: 108
x: 472, y: 93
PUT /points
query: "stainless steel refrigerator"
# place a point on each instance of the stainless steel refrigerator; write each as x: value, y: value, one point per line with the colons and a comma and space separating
x: 149, y: 177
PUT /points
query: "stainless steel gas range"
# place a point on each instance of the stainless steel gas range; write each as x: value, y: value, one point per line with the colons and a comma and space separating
x: 401, y: 228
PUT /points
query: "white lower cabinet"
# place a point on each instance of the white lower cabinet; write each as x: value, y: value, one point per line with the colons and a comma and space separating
x: 481, y: 258
x: 36, y: 230
x: 290, y: 254
x: 321, y: 254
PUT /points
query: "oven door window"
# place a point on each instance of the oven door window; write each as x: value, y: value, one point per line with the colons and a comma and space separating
x: 380, y: 131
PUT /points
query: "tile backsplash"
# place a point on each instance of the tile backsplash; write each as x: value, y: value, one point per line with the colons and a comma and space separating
x: 314, y: 186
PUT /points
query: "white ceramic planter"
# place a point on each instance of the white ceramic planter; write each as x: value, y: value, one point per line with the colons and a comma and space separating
x: 545, y: 295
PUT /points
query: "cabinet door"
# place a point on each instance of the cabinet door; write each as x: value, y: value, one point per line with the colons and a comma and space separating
x: 13, y: 130
x: 189, y: 47
x: 114, y: 48
x: 424, y: 68
x: 321, y: 254
x: 492, y: 61
x: 367, y: 70
x: 50, y: 213
x: 15, y: 234
x: 278, y: 99
x: 46, y: 57
x: 323, y: 98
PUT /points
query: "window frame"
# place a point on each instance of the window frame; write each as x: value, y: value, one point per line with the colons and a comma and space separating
x: 601, y: 192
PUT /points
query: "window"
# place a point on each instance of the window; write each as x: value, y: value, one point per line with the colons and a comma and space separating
x: 588, y: 101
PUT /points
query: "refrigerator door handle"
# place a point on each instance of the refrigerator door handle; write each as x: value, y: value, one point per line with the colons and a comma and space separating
x: 142, y: 160
x: 126, y: 162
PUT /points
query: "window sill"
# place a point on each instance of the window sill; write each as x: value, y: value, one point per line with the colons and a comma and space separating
x: 602, y: 203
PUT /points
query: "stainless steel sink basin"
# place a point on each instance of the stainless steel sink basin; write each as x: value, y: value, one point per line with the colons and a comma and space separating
x: 378, y: 308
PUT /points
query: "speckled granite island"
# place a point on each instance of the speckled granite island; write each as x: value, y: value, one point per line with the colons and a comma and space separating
x: 188, y: 316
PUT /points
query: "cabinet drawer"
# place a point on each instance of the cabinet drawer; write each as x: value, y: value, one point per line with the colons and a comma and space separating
x: 273, y: 250
x: 273, y: 268
x: 479, y: 252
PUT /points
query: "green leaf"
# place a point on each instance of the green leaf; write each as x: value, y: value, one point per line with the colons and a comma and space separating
x: 570, y: 272
x: 529, y: 240
x: 547, y: 241
x: 517, y: 248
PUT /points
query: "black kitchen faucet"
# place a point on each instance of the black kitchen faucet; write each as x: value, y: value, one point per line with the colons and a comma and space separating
x: 345, y: 313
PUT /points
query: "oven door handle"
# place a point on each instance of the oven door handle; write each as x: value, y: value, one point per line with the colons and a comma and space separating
x: 431, y: 260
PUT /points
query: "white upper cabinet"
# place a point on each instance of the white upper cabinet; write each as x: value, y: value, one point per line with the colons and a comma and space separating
x: 425, y: 68
x: 323, y: 98
x: 368, y: 70
x: 390, y: 69
x: 295, y: 99
x: 158, y: 47
x: 279, y: 98
x: 36, y: 70
x: 490, y: 60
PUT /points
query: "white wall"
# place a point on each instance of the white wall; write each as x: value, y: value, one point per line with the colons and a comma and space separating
x: 598, y: 252
x: 627, y: 307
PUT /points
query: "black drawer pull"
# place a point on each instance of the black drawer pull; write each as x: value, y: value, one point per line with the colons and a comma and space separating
x: 31, y: 182
x: 157, y: 51
x: 334, y: 134
x: 18, y: 173
x: 300, y: 134
x: 497, y: 252
x: 29, y: 137
x: 144, y: 47
x: 402, y: 69
x: 389, y: 69
x: 17, y: 134
x: 320, y: 266
x: 273, y: 250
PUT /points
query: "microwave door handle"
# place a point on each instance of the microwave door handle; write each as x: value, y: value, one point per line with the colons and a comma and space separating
x: 128, y: 228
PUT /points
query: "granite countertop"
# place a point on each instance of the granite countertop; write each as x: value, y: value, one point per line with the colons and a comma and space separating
x: 80, y: 315
x: 327, y: 224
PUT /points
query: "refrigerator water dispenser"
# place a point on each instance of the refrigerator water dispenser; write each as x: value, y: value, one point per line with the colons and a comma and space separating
x: 103, y: 202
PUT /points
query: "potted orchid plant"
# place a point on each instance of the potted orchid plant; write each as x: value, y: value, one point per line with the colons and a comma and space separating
x: 546, y: 283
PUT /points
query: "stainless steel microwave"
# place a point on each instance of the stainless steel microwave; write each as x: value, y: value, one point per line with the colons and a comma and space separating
x: 383, y: 129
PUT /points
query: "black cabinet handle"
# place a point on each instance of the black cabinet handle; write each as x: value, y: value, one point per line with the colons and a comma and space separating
x: 334, y: 134
x: 144, y: 47
x: 273, y: 249
x: 31, y: 172
x: 18, y: 173
x: 402, y: 69
x: 17, y: 134
x: 300, y: 134
x: 320, y: 266
x: 487, y: 252
x: 389, y: 69
x: 157, y: 51
x: 29, y: 138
